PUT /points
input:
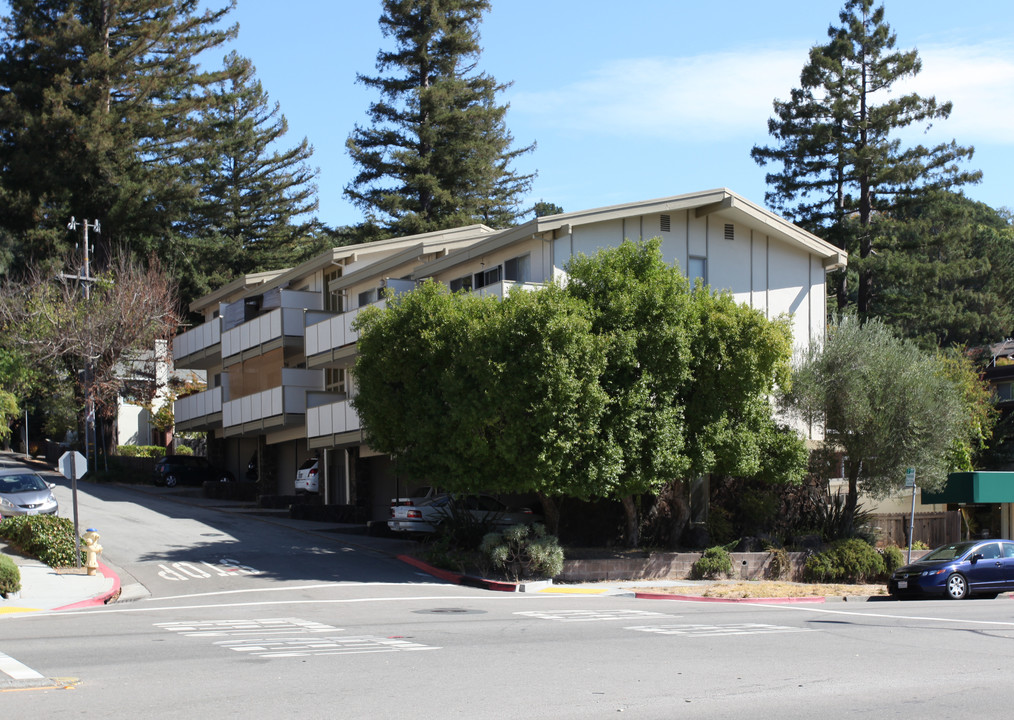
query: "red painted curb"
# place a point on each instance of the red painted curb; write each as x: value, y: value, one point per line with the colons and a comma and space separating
x: 458, y: 579
x: 699, y: 598
x: 98, y: 599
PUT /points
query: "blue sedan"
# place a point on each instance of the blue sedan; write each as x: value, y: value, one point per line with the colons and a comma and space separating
x: 958, y: 570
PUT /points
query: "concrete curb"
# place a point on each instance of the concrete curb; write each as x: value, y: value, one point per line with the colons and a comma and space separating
x: 102, y: 598
x: 700, y: 598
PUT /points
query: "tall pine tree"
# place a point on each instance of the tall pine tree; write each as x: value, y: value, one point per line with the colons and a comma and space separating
x: 841, y: 160
x: 256, y: 197
x: 437, y: 153
x: 944, y: 271
x: 100, y: 105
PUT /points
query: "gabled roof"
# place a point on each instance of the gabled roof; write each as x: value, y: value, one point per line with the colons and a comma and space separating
x: 354, y: 252
x: 257, y: 283
x: 242, y: 283
x: 733, y: 206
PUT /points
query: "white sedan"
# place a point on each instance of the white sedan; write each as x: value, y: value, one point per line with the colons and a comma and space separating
x: 485, y: 509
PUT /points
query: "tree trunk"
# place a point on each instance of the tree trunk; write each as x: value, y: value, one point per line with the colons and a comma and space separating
x: 550, y: 514
x: 632, y: 535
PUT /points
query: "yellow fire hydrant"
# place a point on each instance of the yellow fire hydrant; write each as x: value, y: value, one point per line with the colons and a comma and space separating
x: 92, y: 550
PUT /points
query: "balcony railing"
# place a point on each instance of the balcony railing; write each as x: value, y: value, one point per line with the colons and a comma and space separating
x: 331, y: 419
x: 278, y: 402
x: 263, y: 329
x: 503, y: 288
x: 198, y: 406
x: 197, y: 341
x: 335, y: 332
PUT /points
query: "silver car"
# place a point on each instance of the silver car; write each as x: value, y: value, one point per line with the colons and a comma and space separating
x: 23, y: 492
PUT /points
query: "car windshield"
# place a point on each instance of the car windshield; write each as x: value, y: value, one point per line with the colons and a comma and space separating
x: 21, y: 483
x: 948, y: 552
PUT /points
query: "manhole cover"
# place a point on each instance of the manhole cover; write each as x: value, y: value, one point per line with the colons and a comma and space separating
x: 459, y: 611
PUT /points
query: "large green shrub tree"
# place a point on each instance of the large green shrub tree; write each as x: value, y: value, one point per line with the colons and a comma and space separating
x: 886, y: 405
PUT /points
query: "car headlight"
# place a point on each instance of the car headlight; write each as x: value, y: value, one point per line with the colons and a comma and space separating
x: 931, y: 573
x: 7, y: 504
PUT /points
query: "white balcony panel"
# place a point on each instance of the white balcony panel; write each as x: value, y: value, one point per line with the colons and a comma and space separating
x: 335, y: 332
x: 199, y: 405
x: 331, y: 419
x: 263, y: 329
x: 287, y: 400
x: 504, y: 287
x: 196, y: 339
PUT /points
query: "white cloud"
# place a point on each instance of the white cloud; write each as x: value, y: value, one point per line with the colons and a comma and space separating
x: 719, y: 95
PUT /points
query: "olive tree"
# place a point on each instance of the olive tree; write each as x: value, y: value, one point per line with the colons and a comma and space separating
x: 886, y: 405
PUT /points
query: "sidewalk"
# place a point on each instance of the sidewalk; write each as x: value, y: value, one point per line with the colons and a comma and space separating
x: 43, y: 588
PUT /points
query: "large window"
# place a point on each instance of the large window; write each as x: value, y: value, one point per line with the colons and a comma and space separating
x: 332, y: 300
x: 461, y: 283
x: 334, y: 380
x: 518, y: 269
x: 367, y: 297
x: 487, y: 277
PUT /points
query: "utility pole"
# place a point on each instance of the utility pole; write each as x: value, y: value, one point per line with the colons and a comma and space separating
x: 85, y: 277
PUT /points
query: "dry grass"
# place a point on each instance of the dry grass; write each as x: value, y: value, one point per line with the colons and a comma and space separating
x: 766, y: 589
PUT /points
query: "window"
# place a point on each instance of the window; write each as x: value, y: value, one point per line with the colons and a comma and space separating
x: 487, y: 277
x: 368, y: 297
x: 697, y: 268
x: 1004, y: 391
x: 334, y: 380
x: 518, y: 269
x: 461, y: 283
x: 332, y: 300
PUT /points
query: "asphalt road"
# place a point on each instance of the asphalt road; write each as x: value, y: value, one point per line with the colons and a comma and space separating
x: 364, y: 636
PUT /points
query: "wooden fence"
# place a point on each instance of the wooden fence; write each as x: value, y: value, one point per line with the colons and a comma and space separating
x: 934, y: 529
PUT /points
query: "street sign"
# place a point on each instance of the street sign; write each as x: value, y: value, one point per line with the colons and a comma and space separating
x: 910, y: 477
x: 73, y: 465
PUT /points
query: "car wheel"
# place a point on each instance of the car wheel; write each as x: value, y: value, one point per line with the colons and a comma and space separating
x: 170, y: 481
x: 957, y: 587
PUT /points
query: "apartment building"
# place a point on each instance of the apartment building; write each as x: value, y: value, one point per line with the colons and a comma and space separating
x: 278, y: 347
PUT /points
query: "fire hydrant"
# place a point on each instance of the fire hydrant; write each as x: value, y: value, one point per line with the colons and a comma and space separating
x: 92, y: 550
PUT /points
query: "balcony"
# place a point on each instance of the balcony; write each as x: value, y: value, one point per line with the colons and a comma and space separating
x: 199, y: 348
x: 263, y: 333
x: 333, y: 334
x: 276, y: 408
x: 201, y: 411
x: 326, y: 423
x: 503, y: 288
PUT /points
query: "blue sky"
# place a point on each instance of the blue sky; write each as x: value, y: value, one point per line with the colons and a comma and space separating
x: 636, y: 100
x: 702, y: 74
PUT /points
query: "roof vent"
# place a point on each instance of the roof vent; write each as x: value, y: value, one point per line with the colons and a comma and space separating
x: 730, y: 231
x: 664, y: 223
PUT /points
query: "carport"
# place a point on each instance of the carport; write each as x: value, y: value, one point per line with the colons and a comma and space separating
x: 985, y: 498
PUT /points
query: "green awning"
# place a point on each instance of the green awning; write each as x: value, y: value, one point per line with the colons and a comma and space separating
x: 974, y: 487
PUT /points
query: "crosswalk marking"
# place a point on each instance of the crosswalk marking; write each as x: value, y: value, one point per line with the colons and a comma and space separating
x: 222, y: 628
x: 717, y: 630
x: 16, y: 670
x: 299, y: 647
x: 287, y: 637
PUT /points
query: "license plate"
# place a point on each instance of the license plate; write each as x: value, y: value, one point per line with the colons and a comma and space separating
x: 902, y: 584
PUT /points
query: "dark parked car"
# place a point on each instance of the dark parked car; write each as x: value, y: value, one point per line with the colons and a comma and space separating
x: 957, y: 570
x: 173, y: 470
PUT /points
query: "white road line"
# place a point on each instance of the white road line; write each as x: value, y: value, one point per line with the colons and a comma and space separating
x: 921, y: 618
x: 18, y: 671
